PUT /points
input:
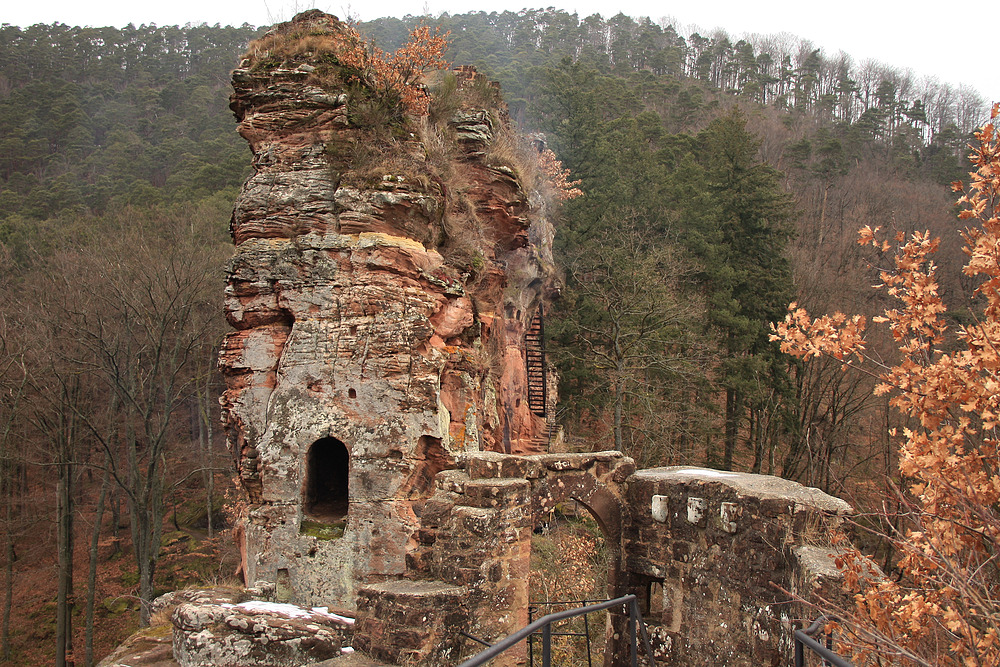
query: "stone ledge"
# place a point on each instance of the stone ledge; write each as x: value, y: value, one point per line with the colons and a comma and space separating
x: 350, y: 659
x: 254, y: 633
x: 416, y: 589
x: 764, y: 487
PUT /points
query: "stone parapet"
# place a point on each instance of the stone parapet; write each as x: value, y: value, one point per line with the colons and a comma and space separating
x: 711, y: 554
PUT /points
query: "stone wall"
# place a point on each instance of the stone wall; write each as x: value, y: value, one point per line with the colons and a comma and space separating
x: 713, y: 556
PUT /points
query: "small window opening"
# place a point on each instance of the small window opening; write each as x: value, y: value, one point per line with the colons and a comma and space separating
x: 325, y: 494
x: 283, y: 586
x: 654, y: 599
x: 351, y: 393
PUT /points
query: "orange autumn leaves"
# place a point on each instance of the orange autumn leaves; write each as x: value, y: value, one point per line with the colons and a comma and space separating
x: 398, y: 73
x: 945, y: 606
x: 558, y: 177
x: 401, y: 71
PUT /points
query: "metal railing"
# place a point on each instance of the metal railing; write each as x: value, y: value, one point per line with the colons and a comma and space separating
x: 636, y: 627
x: 804, y: 639
x: 533, y: 608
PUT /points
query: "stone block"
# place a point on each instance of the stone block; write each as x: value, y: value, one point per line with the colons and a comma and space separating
x: 497, y: 493
x: 493, y: 465
x: 256, y: 634
x: 696, y: 508
x: 412, y: 621
x: 729, y: 514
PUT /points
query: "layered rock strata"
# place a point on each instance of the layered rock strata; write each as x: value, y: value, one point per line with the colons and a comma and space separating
x: 386, y: 268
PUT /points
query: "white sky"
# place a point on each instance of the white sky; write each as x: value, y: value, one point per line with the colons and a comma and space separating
x: 930, y: 39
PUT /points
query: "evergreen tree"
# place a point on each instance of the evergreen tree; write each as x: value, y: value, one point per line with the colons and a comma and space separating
x: 740, y: 236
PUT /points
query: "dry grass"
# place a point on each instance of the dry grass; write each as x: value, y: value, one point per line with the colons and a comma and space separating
x: 291, y: 47
x: 511, y: 150
x: 445, y: 100
x: 381, y: 163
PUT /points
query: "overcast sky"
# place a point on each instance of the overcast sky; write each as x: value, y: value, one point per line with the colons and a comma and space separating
x: 931, y: 42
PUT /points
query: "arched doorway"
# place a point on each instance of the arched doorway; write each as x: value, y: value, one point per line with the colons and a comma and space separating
x: 576, y: 560
x: 325, y: 495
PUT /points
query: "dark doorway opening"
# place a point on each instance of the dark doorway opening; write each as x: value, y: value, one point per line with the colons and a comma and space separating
x: 325, y: 496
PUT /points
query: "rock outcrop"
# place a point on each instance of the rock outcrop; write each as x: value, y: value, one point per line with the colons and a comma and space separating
x: 256, y: 634
x: 386, y: 269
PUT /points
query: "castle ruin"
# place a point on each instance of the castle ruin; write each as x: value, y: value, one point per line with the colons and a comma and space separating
x: 388, y: 411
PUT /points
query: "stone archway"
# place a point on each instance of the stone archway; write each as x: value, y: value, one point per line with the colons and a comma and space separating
x: 601, y: 500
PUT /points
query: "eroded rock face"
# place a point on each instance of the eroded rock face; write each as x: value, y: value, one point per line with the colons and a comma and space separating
x: 383, y: 280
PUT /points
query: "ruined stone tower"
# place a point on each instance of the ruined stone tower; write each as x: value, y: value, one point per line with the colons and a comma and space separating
x: 386, y: 270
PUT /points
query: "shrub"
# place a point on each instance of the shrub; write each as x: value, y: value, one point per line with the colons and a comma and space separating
x: 343, y: 52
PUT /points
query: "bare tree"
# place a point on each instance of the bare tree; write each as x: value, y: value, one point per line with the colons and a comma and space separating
x: 134, y: 311
x: 632, y: 321
x: 151, y: 315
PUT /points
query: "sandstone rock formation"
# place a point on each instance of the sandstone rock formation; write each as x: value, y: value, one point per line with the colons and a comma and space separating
x: 386, y: 269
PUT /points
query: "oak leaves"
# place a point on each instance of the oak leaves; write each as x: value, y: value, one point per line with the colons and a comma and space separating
x: 944, y: 608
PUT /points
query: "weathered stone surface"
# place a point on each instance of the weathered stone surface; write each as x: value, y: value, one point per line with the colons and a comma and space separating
x: 412, y: 622
x: 817, y: 581
x: 162, y: 608
x: 149, y: 647
x: 253, y: 633
x: 379, y: 301
x: 350, y: 659
x: 761, y: 487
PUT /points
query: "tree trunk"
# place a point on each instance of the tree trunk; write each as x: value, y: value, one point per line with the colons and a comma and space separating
x: 210, y: 464
x: 733, y: 408
x: 8, y: 598
x: 757, y: 438
x: 147, y: 528
x: 147, y: 569
x: 64, y: 595
x: 205, y: 440
x: 92, y: 570
x: 619, y: 400
x: 116, y: 521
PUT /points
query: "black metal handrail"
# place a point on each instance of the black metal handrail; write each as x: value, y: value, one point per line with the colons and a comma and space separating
x: 804, y: 639
x: 636, y: 627
x: 585, y: 634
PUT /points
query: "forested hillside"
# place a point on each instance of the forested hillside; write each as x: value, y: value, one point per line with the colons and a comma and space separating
x: 95, y: 116
x: 722, y: 179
